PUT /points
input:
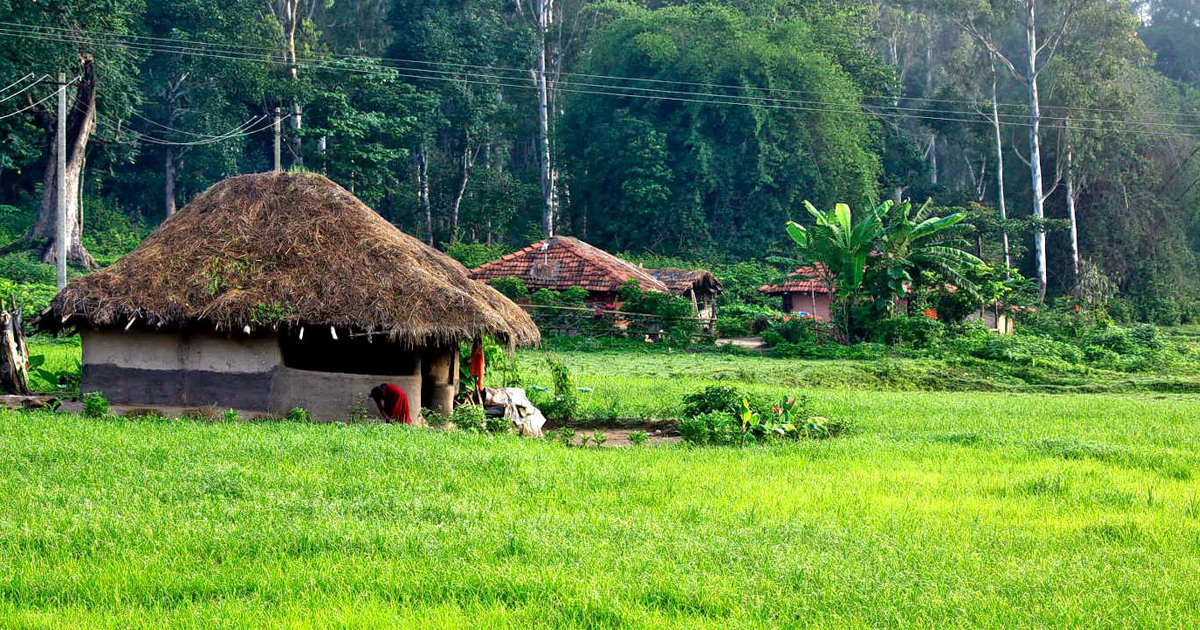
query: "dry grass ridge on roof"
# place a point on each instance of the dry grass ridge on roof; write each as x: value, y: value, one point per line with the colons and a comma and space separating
x: 286, y: 249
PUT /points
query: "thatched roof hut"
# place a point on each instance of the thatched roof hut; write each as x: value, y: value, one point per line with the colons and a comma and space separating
x: 278, y: 273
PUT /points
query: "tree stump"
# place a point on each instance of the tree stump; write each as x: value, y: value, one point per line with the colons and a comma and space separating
x: 14, y: 354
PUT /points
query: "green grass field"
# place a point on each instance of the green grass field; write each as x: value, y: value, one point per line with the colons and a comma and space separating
x: 941, y: 509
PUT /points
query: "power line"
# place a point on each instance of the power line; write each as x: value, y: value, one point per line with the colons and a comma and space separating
x: 14, y: 83
x: 615, y: 91
x: 240, y: 131
x: 273, y: 53
x: 26, y: 88
x: 910, y: 112
x: 32, y: 105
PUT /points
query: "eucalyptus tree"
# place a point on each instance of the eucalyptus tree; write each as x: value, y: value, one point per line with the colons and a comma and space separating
x: 1043, y: 25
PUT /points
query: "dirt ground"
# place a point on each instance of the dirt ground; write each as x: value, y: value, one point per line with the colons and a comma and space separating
x: 617, y: 436
x: 749, y: 343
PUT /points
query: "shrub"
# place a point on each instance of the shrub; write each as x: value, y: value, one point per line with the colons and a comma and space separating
x: 473, y: 255
x: 1146, y: 336
x: 696, y: 430
x: 435, y: 419
x: 599, y: 438
x: 713, y: 398
x: 231, y: 415
x: 496, y: 424
x: 95, y: 405
x: 297, y: 414
x: 638, y: 438
x: 469, y: 418
x: 512, y: 288
x: 919, y: 332
x: 22, y: 267
x: 792, y: 329
x: 563, y: 435
x: 356, y: 413
x: 566, y: 403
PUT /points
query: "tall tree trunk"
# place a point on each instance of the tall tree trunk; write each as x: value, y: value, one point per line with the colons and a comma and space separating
x: 542, y: 16
x: 1035, y: 149
x: 169, y: 181
x: 423, y: 191
x: 1072, y: 197
x: 468, y: 162
x: 1000, y: 195
x: 80, y: 121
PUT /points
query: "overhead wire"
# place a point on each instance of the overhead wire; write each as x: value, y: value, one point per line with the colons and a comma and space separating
x: 241, y: 130
x: 521, y: 72
x: 32, y: 105
x: 14, y: 83
x: 904, y: 111
x: 313, y: 64
x: 615, y: 91
x: 26, y: 88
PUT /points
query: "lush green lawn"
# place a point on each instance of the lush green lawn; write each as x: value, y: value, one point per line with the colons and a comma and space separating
x: 942, y: 510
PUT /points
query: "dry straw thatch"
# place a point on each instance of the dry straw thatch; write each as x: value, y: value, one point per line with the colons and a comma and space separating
x: 288, y: 249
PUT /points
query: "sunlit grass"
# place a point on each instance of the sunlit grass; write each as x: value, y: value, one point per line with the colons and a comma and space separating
x: 939, y: 509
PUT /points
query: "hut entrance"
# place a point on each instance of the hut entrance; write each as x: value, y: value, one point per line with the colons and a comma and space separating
x: 355, y: 355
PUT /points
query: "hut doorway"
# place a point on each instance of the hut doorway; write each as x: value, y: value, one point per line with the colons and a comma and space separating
x: 352, y: 355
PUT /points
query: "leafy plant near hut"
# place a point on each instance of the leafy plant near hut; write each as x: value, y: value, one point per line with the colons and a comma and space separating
x: 638, y: 438
x: 469, y: 418
x: 565, y: 405
x: 435, y: 419
x: 95, y: 405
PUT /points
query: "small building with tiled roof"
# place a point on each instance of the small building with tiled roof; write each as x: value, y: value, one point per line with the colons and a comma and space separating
x: 807, y: 291
x: 559, y: 263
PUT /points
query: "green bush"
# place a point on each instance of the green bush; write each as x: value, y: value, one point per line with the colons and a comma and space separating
x: 95, y: 405
x: 22, y: 267
x: 792, y: 329
x: 512, y: 288
x: 473, y: 255
x: 566, y: 402
x: 435, y: 419
x: 918, y: 332
x: 469, y: 418
x: 297, y: 414
x: 638, y: 438
x: 713, y: 398
x: 231, y: 415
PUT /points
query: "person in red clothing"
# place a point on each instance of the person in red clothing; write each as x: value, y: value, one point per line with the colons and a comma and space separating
x: 478, y: 364
x: 392, y: 402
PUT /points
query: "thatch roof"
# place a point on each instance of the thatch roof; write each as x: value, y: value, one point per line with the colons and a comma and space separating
x: 680, y: 281
x: 288, y: 249
x: 561, y: 262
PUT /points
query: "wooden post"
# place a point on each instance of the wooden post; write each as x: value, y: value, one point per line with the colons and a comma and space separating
x: 14, y: 354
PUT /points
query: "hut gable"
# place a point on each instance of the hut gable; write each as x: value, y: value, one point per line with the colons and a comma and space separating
x: 810, y: 279
x: 561, y: 262
x: 260, y: 252
x: 680, y: 281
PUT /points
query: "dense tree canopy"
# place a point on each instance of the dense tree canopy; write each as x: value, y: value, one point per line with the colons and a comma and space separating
x: 689, y: 129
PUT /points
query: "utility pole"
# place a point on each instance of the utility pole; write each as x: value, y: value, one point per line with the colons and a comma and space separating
x: 60, y: 184
x: 277, y: 131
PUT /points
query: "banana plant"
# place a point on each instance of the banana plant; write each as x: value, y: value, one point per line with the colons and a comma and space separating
x: 842, y: 243
x: 916, y: 239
